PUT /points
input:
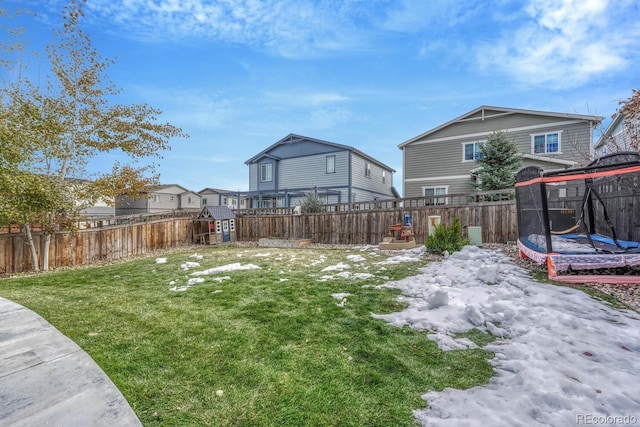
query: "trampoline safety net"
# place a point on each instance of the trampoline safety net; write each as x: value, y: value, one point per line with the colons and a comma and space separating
x: 592, y: 210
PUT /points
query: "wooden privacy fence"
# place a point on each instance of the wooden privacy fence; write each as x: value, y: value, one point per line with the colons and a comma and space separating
x: 95, y: 245
x: 497, y: 220
x: 357, y: 227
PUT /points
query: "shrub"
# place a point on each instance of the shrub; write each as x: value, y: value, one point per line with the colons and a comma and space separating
x: 446, y: 238
x: 312, y: 204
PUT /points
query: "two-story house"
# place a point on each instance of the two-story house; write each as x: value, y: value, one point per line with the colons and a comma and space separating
x: 169, y: 197
x: 284, y: 173
x: 620, y: 135
x: 442, y: 160
x: 218, y: 197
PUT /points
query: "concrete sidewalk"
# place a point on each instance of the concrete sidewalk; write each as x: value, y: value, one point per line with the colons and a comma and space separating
x: 47, y: 379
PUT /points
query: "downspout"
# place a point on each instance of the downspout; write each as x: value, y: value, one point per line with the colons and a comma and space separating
x: 591, y: 147
x: 404, y: 172
x: 350, y: 180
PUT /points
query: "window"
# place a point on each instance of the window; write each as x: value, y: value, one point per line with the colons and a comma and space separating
x: 189, y: 200
x: 471, y: 151
x: 156, y: 198
x: 546, y: 143
x: 367, y: 169
x: 172, y: 198
x: 431, y: 194
x: 384, y: 176
x: 204, y: 202
x: 266, y: 172
x: 331, y: 164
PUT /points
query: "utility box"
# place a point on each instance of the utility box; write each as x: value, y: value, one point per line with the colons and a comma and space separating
x: 475, y: 235
x: 433, y: 222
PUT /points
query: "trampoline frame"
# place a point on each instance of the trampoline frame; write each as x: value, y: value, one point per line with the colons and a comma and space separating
x: 627, y: 254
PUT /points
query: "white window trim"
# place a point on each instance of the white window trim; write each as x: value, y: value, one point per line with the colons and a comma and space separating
x: 475, y: 143
x: 384, y: 177
x: 334, y: 164
x: 367, y: 169
x: 533, y: 144
x: 265, y: 165
x: 434, y: 187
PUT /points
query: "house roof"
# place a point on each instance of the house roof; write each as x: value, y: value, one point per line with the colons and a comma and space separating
x: 497, y: 112
x: 159, y: 188
x: 213, y: 190
x: 293, y: 138
x: 216, y: 212
x: 617, y: 119
x: 551, y: 160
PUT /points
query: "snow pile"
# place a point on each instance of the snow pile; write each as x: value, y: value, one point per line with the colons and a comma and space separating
x: 225, y: 268
x: 561, y: 356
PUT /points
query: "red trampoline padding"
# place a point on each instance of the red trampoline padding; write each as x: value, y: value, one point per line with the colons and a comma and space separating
x: 563, y: 178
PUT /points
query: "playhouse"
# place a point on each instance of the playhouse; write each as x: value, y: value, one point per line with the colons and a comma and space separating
x: 584, y: 222
x: 215, y: 225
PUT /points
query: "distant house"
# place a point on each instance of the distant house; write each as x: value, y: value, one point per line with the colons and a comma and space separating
x: 98, y: 209
x: 620, y: 135
x: 163, y: 198
x: 443, y: 160
x: 218, y: 197
x: 284, y: 173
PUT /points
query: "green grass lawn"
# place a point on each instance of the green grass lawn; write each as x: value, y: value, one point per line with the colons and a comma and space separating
x: 264, y: 347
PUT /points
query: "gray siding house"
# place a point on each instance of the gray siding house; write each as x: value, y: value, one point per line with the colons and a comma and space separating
x: 442, y: 160
x: 620, y: 135
x: 283, y: 174
x: 169, y: 197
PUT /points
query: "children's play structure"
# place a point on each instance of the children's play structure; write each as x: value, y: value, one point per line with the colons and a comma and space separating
x: 583, y: 222
x: 400, y: 236
x: 215, y: 225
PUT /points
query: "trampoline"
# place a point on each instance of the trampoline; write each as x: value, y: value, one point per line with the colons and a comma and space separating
x: 584, y: 221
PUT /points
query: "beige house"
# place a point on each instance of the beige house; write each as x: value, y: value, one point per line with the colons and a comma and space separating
x: 218, y: 197
x: 170, y: 197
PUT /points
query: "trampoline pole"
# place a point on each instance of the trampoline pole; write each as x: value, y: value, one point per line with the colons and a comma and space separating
x: 545, y: 216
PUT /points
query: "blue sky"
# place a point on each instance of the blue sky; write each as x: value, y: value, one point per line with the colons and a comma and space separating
x: 239, y: 75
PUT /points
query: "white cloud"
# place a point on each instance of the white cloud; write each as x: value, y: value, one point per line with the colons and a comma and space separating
x: 290, y: 28
x: 564, y: 43
x: 328, y: 118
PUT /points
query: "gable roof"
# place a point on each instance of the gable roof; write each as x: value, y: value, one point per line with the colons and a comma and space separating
x: 615, y: 122
x: 213, y: 190
x: 486, y: 112
x: 293, y: 138
x: 160, y: 188
x: 216, y: 212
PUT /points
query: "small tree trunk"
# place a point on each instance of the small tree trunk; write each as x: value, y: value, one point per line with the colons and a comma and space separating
x: 32, y: 247
x: 46, y: 244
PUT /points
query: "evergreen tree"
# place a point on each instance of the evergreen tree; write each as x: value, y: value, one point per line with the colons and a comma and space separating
x: 500, y: 161
x: 312, y: 203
